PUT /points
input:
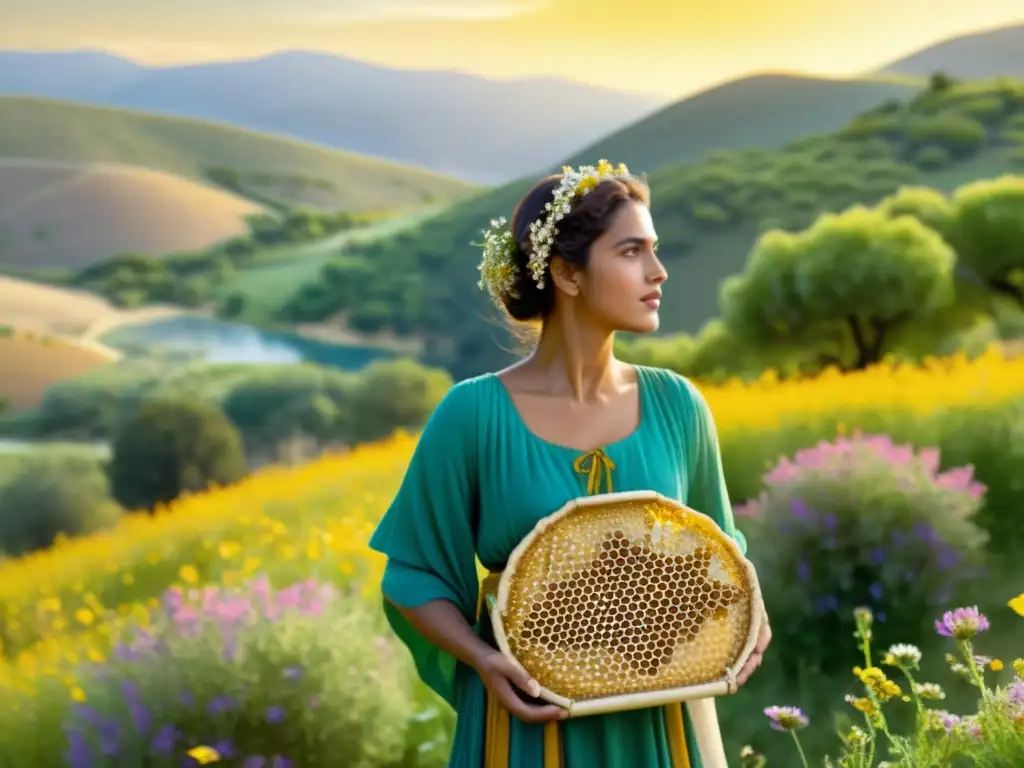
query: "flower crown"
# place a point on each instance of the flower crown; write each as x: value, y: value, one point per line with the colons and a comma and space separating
x: 498, y: 270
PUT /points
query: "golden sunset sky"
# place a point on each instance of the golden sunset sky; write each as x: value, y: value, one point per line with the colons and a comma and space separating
x: 670, y: 47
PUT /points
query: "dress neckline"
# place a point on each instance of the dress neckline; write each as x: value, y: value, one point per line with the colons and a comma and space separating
x: 641, y: 386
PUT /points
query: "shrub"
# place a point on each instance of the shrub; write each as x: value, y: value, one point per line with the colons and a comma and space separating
x: 51, y: 497
x: 172, y: 446
x: 394, y: 394
x: 861, y: 522
x: 992, y: 736
x: 298, y: 674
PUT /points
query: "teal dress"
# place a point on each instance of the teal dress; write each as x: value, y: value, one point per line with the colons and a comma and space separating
x: 478, y: 482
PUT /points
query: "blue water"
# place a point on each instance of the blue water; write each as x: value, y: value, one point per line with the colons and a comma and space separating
x: 223, y: 342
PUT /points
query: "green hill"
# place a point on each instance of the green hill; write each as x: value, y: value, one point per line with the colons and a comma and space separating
x: 766, y: 110
x: 259, y: 166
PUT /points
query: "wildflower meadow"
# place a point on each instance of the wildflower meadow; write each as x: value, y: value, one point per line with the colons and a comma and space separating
x: 242, y: 626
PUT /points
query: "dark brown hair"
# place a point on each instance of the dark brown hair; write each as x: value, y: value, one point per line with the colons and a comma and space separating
x: 590, y: 217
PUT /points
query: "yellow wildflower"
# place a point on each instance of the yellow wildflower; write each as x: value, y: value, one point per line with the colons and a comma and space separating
x: 1017, y: 604
x: 863, y: 704
x: 875, y: 680
x: 78, y: 694
x: 204, y: 755
x: 995, y: 665
x: 84, y: 616
x: 188, y: 574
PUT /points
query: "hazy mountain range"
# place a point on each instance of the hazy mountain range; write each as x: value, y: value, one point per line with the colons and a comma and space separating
x: 483, y: 130
x: 463, y: 125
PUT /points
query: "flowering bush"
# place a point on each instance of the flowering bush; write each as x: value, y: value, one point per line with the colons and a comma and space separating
x: 991, y: 737
x: 860, y: 521
x: 250, y: 677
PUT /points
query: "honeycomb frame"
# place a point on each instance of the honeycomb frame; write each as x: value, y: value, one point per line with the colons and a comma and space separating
x: 613, y: 568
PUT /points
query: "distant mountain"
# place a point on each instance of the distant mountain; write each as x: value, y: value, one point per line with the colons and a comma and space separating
x: 991, y: 53
x: 462, y: 125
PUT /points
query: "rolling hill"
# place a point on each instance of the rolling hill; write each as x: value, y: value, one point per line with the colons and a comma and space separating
x: 709, y: 213
x: 979, y: 55
x: 454, y: 123
x: 765, y: 110
x: 48, y: 310
x: 287, y: 169
x: 56, y: 216
x: 33, y: 362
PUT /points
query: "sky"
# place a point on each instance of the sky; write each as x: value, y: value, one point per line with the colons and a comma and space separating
x: 667, y: 47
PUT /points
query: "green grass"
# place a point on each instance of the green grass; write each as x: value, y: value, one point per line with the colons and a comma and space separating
x: 708, y: 214
x: 77, y: 133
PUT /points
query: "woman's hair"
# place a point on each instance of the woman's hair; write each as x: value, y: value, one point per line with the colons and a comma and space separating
x: 590, y: 217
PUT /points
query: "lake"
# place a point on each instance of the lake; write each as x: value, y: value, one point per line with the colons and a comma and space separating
x: 219, y: 341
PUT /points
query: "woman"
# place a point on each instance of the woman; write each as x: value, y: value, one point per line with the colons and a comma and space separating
x: 505, y: 449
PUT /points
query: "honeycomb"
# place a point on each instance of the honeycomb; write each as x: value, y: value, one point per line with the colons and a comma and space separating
x: 627, y: 597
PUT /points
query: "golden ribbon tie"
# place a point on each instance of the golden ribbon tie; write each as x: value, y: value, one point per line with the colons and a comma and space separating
x: 595, y: 464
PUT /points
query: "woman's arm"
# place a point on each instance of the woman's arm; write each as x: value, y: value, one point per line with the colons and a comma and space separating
x: 442, y: 624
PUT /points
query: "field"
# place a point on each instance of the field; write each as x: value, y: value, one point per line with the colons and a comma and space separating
x: 268, y: 166
x: 31, y: 363
x: 61, y: 216
x: 63, y: 609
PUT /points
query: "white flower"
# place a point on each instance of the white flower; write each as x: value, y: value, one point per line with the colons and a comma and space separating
x: 929, y: 691
x: 903, y: 655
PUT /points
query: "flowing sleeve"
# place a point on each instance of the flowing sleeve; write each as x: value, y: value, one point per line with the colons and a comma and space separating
x: 708, y: 493
x: 427, y: 532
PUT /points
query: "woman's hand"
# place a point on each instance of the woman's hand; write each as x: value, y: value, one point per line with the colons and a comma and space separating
x: 502, y: 677
x: 764, y: 637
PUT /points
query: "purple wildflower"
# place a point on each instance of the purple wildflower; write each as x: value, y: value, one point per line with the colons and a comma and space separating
x: 220, y: 704
x: 78, y: 754
x: 163, y: 741
x: 962, y: 624
x: 275, y: 715
x: 786, y: 718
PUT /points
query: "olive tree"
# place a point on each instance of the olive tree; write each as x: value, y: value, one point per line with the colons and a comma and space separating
x: 927, y: 205
x: 987, y: 231
x: 851, y: 277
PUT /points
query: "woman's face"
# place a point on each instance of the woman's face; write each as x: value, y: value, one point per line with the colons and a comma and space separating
x: 621, y: 286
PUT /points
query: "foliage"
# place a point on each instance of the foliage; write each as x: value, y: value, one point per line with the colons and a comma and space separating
x: 861, y: 522
x: 991, y: 737
x: 860, y: 270
x: 422, y: 281
x: 394, y: 394
x: 328, y: 684
x: 172, y: 447
x: 52, y: 497
x: 988, y: 232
